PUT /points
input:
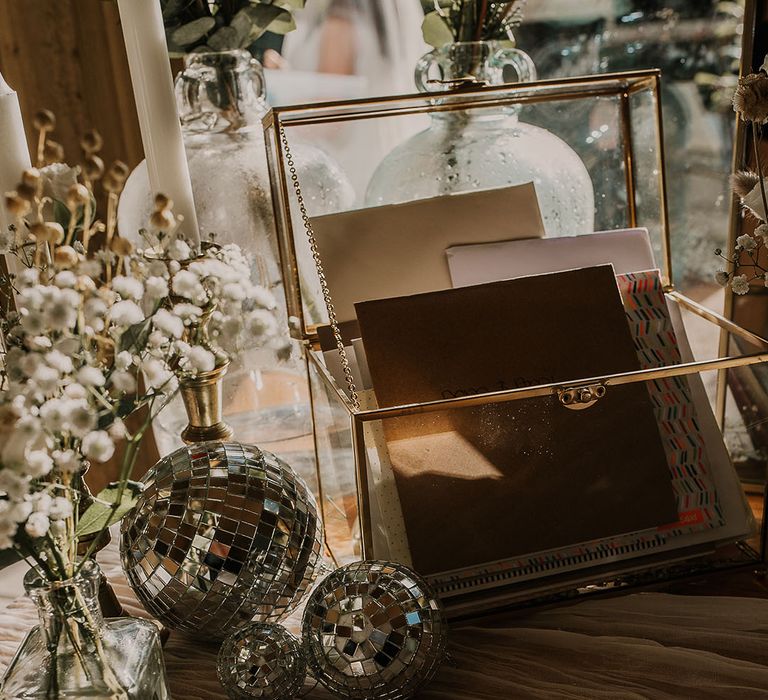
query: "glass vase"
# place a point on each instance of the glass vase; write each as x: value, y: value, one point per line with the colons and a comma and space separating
x: 75, y: 653
x: 462, y: 151
x: 221, y: 100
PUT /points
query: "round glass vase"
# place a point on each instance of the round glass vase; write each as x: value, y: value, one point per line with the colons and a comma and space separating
x: 221, y: 101
x: 75, y: 653
x: 486, y: 148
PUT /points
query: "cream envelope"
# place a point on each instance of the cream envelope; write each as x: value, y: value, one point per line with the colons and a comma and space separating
x: 399, y: 249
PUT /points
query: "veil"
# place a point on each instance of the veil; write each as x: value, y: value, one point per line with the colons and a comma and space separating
x: 387, y: 35
x: 387, y: 43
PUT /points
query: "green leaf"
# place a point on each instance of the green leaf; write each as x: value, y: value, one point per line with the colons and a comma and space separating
x: 61, y: 213
x: 193, y: 31
x: 242, y: 24
x: 171, y: 8
x: 174, y: 50
x: 225, y: 39
x: 263, y: 16
x: 282, y: 24
x: 126, y: 405
x: 135, y: 337
x: 101, y: 515
x: 435, y: 30
x: 292, y: 4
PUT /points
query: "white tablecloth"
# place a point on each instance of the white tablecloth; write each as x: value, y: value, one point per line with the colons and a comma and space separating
x: 645, y: 645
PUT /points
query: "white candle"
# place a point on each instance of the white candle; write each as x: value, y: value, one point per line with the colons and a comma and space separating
x: 156, y: 105
x: 14, y: 154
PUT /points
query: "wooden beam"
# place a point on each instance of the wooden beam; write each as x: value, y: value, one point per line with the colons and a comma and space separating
x: 68, y: 56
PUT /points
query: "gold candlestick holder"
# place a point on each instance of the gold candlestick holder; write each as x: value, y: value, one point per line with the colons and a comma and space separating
x: 202, y: 397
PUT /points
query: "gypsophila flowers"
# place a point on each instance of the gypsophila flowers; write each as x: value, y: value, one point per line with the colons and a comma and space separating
x: 128, y: 287
x: 98, y: 330
x: 126, y: 313
x: 750, y: 100
x: 740, y: 284
x: 98, y: 446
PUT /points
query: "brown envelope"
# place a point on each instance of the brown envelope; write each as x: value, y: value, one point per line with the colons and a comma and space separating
x: 400, y: 249
x: 490, y: 483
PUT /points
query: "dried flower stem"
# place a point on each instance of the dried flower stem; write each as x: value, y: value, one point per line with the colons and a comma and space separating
x: 71, y: 228
x: 71, y: 539
x: 41, y: 138
x: 108, y: 674
x: 112, y: 199
x: 86, y: 224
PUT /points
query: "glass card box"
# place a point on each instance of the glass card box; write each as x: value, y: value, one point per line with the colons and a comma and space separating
x: 458, y: 533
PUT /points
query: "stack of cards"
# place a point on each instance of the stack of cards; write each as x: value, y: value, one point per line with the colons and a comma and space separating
x: 479, y: 497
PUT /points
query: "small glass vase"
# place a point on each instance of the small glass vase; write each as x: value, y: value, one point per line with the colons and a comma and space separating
x: 464, y: 151
x: 76, y: 653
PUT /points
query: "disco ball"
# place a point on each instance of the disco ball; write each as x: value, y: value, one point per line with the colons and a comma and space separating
x: 261, y: 661
x: 222, y: 534
x: 374, y: 629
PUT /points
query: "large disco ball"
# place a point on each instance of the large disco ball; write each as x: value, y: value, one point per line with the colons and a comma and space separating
x: 374, y: 629
x: 222, y: 534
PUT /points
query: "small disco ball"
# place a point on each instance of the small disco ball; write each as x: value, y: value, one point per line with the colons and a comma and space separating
x: 223, y: 533
x: 374, y: 629
x: 261, y: 661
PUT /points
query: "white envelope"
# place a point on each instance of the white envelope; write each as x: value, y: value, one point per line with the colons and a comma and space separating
x: 628, y: 250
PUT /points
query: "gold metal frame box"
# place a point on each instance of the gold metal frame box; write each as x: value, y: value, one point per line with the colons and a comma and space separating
x: 349, y: 473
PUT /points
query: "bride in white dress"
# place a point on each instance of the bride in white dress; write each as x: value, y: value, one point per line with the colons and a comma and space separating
x: 379, y: 42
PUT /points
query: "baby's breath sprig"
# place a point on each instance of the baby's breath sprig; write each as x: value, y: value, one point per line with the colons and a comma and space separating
x: 750, y: 102
x: 94, y: 314
x: 749, y: 247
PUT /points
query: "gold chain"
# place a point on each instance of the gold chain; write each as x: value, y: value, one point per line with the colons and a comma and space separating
x: 319, y: 267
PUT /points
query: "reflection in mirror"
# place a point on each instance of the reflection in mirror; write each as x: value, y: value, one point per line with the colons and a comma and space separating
x: 743, y: 404
x: 696, y: 44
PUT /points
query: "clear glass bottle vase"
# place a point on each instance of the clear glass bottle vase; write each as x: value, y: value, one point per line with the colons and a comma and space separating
x: 75, y: 653
x: 221, y: 101
x: 486, y: 148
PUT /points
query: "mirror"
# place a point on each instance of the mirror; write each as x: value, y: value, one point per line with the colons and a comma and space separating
x: 743, y: 402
